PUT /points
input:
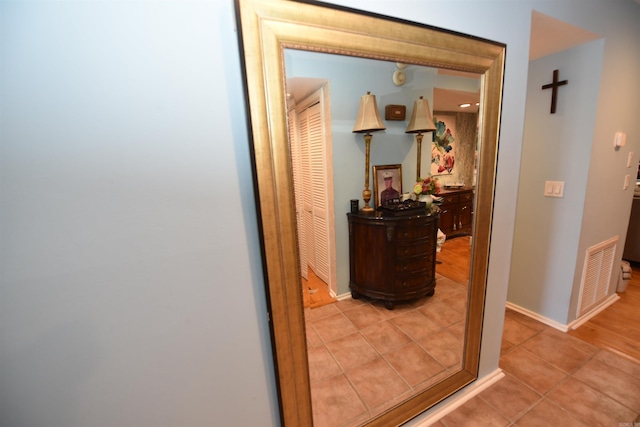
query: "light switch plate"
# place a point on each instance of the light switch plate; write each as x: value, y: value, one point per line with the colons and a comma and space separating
x: 620, y: 139
x: 554, y: 188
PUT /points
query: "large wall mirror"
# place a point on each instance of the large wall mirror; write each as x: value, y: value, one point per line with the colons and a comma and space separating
x: 294, y: 54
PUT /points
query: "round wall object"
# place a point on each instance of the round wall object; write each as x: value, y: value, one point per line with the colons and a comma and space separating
x: 398, y: 78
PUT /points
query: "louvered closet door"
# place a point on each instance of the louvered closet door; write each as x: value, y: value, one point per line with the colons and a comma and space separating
x: 297, y: 181
x: 319, y: 193
x: 307, y: 200
x: 314, y: 189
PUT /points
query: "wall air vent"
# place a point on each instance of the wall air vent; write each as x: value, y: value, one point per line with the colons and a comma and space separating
x: 596, y: 275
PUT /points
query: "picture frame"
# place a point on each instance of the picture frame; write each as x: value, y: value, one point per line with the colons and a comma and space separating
x: 380, y: 173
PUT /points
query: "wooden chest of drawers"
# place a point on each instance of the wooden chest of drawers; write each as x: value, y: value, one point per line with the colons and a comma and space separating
x: 456, y: 211
x: 392, y: 258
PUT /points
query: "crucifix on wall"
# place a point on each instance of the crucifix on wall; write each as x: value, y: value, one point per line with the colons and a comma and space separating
x: 554, y: 86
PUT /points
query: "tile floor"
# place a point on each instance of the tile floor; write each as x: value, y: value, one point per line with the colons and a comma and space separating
x: 551, y: 378
x: 364, y: 358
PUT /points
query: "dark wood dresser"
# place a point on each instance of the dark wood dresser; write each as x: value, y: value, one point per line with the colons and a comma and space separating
x: 456, y: 211
x: 392, y: 258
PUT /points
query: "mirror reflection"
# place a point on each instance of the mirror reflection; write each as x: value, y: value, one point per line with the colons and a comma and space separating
x: 368, y: 353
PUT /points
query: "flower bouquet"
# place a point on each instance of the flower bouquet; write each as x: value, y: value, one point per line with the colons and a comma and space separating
x: 424, y: 188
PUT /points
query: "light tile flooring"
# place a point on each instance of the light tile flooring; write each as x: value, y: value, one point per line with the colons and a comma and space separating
x: 364, y: 358
x: 551, y: 378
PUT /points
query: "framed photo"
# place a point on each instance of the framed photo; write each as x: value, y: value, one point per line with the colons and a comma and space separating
x: 387, y: 184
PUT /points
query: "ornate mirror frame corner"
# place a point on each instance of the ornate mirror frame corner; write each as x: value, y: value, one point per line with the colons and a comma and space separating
x: 266, y: 28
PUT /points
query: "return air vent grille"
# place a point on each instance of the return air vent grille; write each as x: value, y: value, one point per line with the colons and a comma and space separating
x: 596, y: 276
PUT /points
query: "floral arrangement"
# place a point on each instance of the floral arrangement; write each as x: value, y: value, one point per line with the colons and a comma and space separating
x: 428, y: 185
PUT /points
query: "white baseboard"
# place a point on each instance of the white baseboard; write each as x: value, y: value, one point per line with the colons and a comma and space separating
x: 342, y: 297
x: 559, y: 326
x: 584, y: 319
x: 540, y: 318
x: 455, y: 401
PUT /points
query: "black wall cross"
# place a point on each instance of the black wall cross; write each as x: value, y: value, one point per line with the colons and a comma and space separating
x: 554, y: 86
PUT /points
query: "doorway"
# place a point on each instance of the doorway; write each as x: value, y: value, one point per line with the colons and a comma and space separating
x: 311, y: 154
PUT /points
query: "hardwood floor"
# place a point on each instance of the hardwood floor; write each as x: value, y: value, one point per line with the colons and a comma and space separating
x: 617, y: 328
x: 453, y: 259
x: 315, y: 292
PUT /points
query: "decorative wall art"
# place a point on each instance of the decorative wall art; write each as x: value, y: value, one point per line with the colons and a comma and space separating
x: 443, y: 150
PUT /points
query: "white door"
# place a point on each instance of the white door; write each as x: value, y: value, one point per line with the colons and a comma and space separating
x: 307, y: 200
x: 297, y: 177
x: 315, y: 187
x: 319, y: 204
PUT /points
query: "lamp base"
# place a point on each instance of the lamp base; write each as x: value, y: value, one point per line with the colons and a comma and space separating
x: 366, y: 196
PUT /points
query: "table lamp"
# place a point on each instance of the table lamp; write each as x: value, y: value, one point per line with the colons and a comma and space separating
x: 368, y: 121
x: 421, y: 121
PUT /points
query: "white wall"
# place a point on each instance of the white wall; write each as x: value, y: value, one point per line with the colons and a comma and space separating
x: 132, y: 290
x: 131, y: 286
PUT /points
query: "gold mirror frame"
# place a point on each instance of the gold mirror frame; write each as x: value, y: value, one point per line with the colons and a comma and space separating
x: 267, y: 27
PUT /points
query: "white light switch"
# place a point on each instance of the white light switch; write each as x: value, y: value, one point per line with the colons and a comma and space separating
x: 630, y: 159
x: 554, y: 188
x: 627, y: 179
x: 619, y: 139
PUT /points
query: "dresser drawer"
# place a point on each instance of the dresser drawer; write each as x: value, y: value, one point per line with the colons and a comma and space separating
x: 413, y: 264
x: 418, y: 231
x: 421, y: 247
x: 414, y: 281
x: 449, y: 200
x: 466, y: 197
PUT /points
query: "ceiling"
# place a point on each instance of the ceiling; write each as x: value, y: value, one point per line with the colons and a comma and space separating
x: 550, y: 35
x: 450, y: 100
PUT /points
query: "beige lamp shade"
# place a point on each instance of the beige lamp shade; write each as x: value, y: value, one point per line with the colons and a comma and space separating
x: 421, y: 120
x: 369, y: 119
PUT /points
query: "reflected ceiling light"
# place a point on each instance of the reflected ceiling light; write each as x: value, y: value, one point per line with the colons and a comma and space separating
x: 421, y: 121
x: 368, y: 121
x: 464, y: 105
